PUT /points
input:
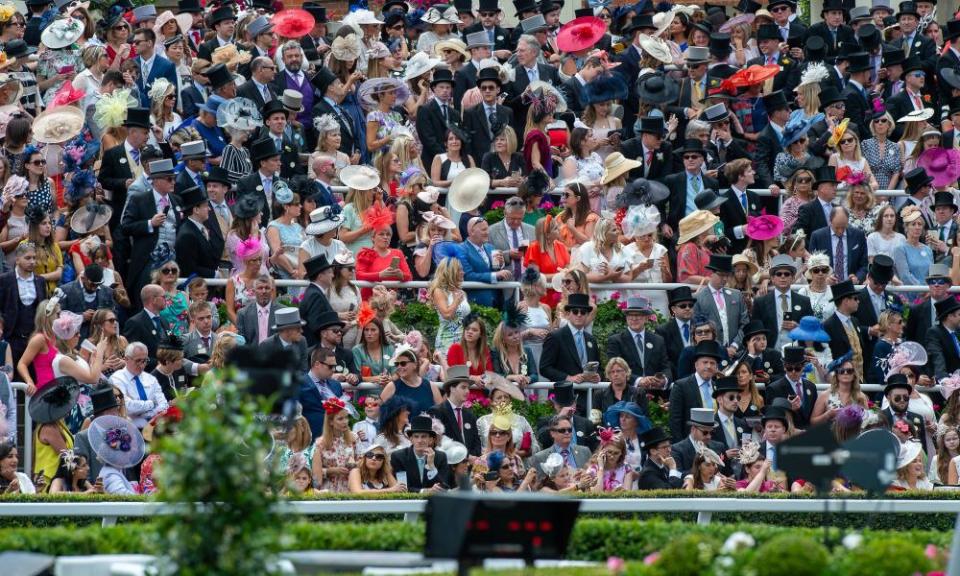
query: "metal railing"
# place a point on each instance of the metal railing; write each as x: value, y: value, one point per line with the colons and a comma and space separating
x: 412, y: 509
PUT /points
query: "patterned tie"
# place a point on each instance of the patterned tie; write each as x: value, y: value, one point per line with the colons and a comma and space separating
x: 731, y: 432
x: 706, y: 394
x: 158, y: 325
x: 784, y: 307
x: 840, y: 258
x: 516, y: 261
x: 640, y: 350
x: 135, y: 154
x: 696, y: 185
x: 140, y: 389
x: 566, y: 457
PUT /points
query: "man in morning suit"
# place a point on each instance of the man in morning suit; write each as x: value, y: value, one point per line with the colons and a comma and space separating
x: 22, y: 291
x: 196, y: 254
x: 659, y: 471
x: 856, y: 95
x: 629, y: 66
x: 696, y: 390
x: 152, y: 66
x: 800, y: 392
x: 315, y: 303
x: 768, y: 142
x: 702, y: 425
x: 330, y: 93
x: 685, y: 185
x: 740, y: 204
x: 768, y: 42
x: 466, y: 77
x: 459, y: 422
x: 255, y: 319
x: 832, y: 29
x: 259, y: 183
x: 815, y: 214
x: 898, y: 391
x: 913, y: 41
x: 484, y: 120
x: 146, y: 325
x: 874, y: 299
x: 846, y: 245
x: 765, y: 362
x: 651, y: 149
x: 276, y: 118
x: 730, y: 428
x: 434, y: 116
x: 723, y: 306
x: 121, y: 164
x: 288, y: 334
x: 943, y: 346
x: 780, y: 309
x: 677, y: 333
x: 424, y: 467
x: 223, y: 21
x: 194, y: 156
x: 568, y: 350
x: 846, y: 333
x: 216, y: 182
x: 561, y: 429
x: 528, y: 69
x: 644, y: 351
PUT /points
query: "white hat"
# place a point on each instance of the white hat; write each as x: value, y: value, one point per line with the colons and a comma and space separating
x: 656, y: 47
x: 468, y: 189
x: 323, y: 220
x: 62, y: 33
x: 456, y: 453
x: 909, y: 451
x: 918, y: 116
x: 359, y: 177
x: 419, y: 64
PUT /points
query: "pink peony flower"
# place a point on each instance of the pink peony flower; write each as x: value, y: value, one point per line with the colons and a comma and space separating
x: 615, y: 295
x: 468, y: 404
x: 497, y: 205
x: 622, y: 305
x: 930, y: 551
x: 615, y: 564
x: 651, y: 558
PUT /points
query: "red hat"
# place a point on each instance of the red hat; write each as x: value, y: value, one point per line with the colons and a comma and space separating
x: 580, y: 33
x: 293, y: 23
x: 750, y: 76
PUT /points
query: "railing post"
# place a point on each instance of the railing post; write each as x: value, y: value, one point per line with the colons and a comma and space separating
x: 703, y: 518
x: 108, y: 521
x: 411, y: 517
x: 589, y: 401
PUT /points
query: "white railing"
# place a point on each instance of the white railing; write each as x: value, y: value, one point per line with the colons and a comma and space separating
x: 412, y: 509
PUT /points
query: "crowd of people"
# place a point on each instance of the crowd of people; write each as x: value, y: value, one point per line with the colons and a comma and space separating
x: 767, y: 167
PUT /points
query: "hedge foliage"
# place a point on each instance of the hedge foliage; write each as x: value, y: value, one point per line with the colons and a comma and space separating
x: 593, y: 539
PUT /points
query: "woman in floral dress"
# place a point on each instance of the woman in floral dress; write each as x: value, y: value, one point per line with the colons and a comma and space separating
x: 447, y: 296
x: 175, y: 301
x: 337, y: 448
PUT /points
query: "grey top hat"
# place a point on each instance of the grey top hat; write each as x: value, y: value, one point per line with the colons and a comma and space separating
x: 702, y: 417
x: 783, y: 261
x: 162, y: 167
x: 292, y: 100
x: 286, y: 317
x: 145, y: 12
x: 478, y: 40
x: 716, y: 113
x: 697, y: 55
x: 261, y: 25
x: 859, y: 13
x: 533, y: 24
x: 193, y: 150
x: 638, y: 304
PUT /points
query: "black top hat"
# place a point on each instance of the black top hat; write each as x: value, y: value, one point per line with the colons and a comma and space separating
x: 693, y: 145
x: 917, y: 179
x: 490, y: 74
x: 463, y: 6
x: 441, y: 75
x: 218, y: 75
x: 581, y: 12
x: 38, y: 2
x: 952, y: 30
x: 189, y: 6
x: 775, y: 101
x: 768, y: 32
x: 638, y: 22
x: 263, y: 148
x: 946, y: 306
x: 216, y: 174
x: 318, y: 12
x: 247, y: 206
x: 911, y: 63
x: 882, y: 268
x: 724, y: 385
x: 389, y: 5
x: 708, y: 200
x: 422, y: 424
x: 139, y: 117
x: 895, y: 381
x: 721, y: 263
x: 753, y: 328
x: 708, y: 348
x: 830, y: 5
x: 720, y: 44
x: 103, y: 398
x: 547, y: 6
x: 563, y: 394
x: 329, y: 318
x: 869, y: 37
x: 654, y: 436
x: 750, y: 6
x: 221, y: 14
x: 272, y: 107
x: 794, y: 355
x: 578, y: 301
x: 681, y: 294
x: 825, y: 174
x: 907, y: 9
x: 829, y: 95
x: 842, y: 290
x: 859, y: 62
x: 944, y: 199
x: 488, y: 6
x: 316, y: 265
x: 652, y: 125
x: 774, y: 413
x: 525, y: 6
x: 323, y: 79
x: 192, y: 197
x: 893, y: 57
x: 815, y: 49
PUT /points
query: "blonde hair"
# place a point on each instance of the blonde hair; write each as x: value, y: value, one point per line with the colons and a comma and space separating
x: 327, y: 437
x: 401, y: 148
x: 446, y: 277
x: 500, y: 345
x: 890, y: 123
x: 382, y: 475
x: 600, y: 230
x: 361, y: 200
x: 299, y: 437
x: 855, y: 393
x: 616, y: 361
x: 226, y: 342
x: 510, y: 135
x: 811, y: 98
x: 871, y: 199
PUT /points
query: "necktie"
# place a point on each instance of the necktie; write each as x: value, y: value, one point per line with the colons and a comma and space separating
x: 706, y: 394
x: 695, y: 184
x: 566, y: 457
x: 686, y: 334
x: 581, y: 348
x: 459, y: 420
x: 516, y: 261
x: 262, y: 326
x: 158, y: 325
x: 199, y: 181
x: 917, y: 104
x: 640, y: 350
x: 140, y: 389
x: 146, y: 72
x: 164, y: 204
x: 800, y: 392
x: 784, y: 32
x: 731, y: 432
x: 532, y: 74
x: 443, y: 111
x: 266, y: 94
x: 718, y: 298
x: 784, y: 306
x: 840, y: 258
x: 770, y: 60
x: 268, y: 186
x: 956, y: 342
x: 421, y: 464
x: 743, y: 200
x: 648, y: 158
x: 943, y: 233
x: 906, y: 46
x: 206, y: 342
x: 697, y: 92
x: 224, y: 213
x: 135, y: 154
x: 833, y: 36
x: 490, y: 35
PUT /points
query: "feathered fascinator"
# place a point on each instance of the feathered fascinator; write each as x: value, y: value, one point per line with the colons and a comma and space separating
x: 538, y: 182
x: 552, y: 465
x: 542, y: 101
x: 414, y: 339
x: 749, y: 453
x: 346, y: 47
x: 159, y: 89
x: 494, y: 460
x: 249, y: 247
x: 67, y: 324
x: 81, y: 151
x: 607, y: 435
x: 110, y: 110
x: 70, y: 459
x: 239, y: 114
x: 604, y: 88
x: 904, y: 354
x: 837, y: 133
x: 67, y: 95
x: 81, y: 184
x: 15, y: 186
x: 296, y: 463
x: 707, y: 454
x: 333, y: 405
x: 161, y: 255
x: 365, y: 314
x: 503, y: 416
x: 511, y: 316
x: 326, y: 123
x: 950, y: 384
x: 640, y: 220
x: 402, y: 349
x: 530, y: 276
x: 838, y: 362
x: 378, y: 217
x: 7, y: 11
x: 35, y: 214
x: 850, y: 416
x: 814, y: 74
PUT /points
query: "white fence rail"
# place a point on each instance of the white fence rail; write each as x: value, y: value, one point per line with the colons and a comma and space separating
x: 412, y: 509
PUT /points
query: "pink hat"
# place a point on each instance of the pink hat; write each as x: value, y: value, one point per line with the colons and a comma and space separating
x: 943, y: 165
x: 764, y: 227
x: 249, y: 248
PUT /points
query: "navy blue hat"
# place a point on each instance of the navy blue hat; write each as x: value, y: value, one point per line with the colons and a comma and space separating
x: 612, y: 415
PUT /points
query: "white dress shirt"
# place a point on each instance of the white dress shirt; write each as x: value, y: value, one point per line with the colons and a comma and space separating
x: 140, y: 411
x: 27, y: 288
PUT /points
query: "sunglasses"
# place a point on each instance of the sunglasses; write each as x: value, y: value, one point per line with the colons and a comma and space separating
x: 881, y: 120
x: 40, y: 162
x: 684, y: 306
x: 579, y: 312
x: 168, y: 271
x: 488, y: 87
x: 918, y: 74
x: 899, y: 398
x: 692, y: 156
x: 335, y: 330
x: 847, y: 141
x: 845, y: 371
x: 707, y: 332
x: 706, y: 431
x: 110, y: 321
x: 803, y: 180
x: 819, y: 270
x: 488, y: 14
x: 604, y: 16
x: 793, y: 367
x: 938, y: 282
x: 397, y: 27
x: 402, y: 363
x: 733, y: 397
x: 783, y: 274
x: 563, y: 430
x: 375, y: 456
x: 499, y: 432
x: 330, y: 366
x: 777, y: 9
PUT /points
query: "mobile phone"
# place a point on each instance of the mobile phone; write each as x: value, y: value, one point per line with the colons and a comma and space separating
x: 66, y: 70
x: 491, y: 476
x: 88, y: 346
x: 352, y: 306
x: 592, y: 367
x: 788, y: 316
x: 395, y: 262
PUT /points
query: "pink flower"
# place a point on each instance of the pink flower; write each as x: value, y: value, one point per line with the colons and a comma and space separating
x: 615, y: 564
x: 497, y: 204
x: 615, y: 295
x: 422, y: 295
x: 484, y: 402
x: 651, y: 558
x: 930, y: 551
x: 546, y: 205
x: 622, y: 305
x: 870, y: 404
x: 936, y: 407
x: 468, y: 404
x: 550, y: 397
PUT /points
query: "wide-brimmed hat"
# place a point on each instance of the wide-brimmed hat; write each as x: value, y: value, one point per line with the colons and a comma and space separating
x: 916, y: 178
x: 921, y: 115
x: 797, y: 127
x: 640, y: 219
x: 695, y: 224
x: 419, y: 64
x: 239, y: 114
x: 809, y: 329
x: 657, y: 88
x: 54, y: 401
x: 89, y: 217
x: 708, y: 349
x: 442, y: 14
x: 494, y: 381
x: 580, y: 33
x: 909, y: 451
x: 764, y: 227
x: 616, y: 165
x: 57, y: 125
x: 631, y: 408
x: 116, y: 441
x: 841, y: 290
x: 708, y: 200
x: 942, y: 164
x: 469, y: 189
x: 293, y: 22
x: 61, y: 33
x: 752, y: 267
x: 286, y: 317
x: 323, y: 220
x: 455, y: 44
x: 359, y: 177
x: 380, y: 85
x: 422, y: 424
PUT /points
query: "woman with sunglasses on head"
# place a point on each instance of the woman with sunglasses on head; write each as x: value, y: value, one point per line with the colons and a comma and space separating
x: 818, y: 290
x: 163, y: 114
x: 844, y: 390
x: 373, y: 475
x: 882, y: 154
x: 848, y: 158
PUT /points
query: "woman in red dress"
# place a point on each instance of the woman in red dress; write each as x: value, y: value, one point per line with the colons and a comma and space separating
x: 380, y: 263
x: 119, y: 47
x: 548, y: 254
x: 473, y: 351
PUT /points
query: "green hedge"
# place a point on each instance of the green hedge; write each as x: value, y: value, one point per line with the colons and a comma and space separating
x: 593, y: 539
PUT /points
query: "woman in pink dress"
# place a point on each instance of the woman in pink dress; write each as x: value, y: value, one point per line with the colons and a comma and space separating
x: 337, y: 447
x: 41, y: 348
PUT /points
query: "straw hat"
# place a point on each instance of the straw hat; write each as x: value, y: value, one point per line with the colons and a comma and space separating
x: 230, y: 56
x: 454, y: 44
x: 741, y: 259
x: 58, y: 125
x: 696, y: 224
x: 359, y: 177
x: 468, y: 190
x: 616, y: 165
